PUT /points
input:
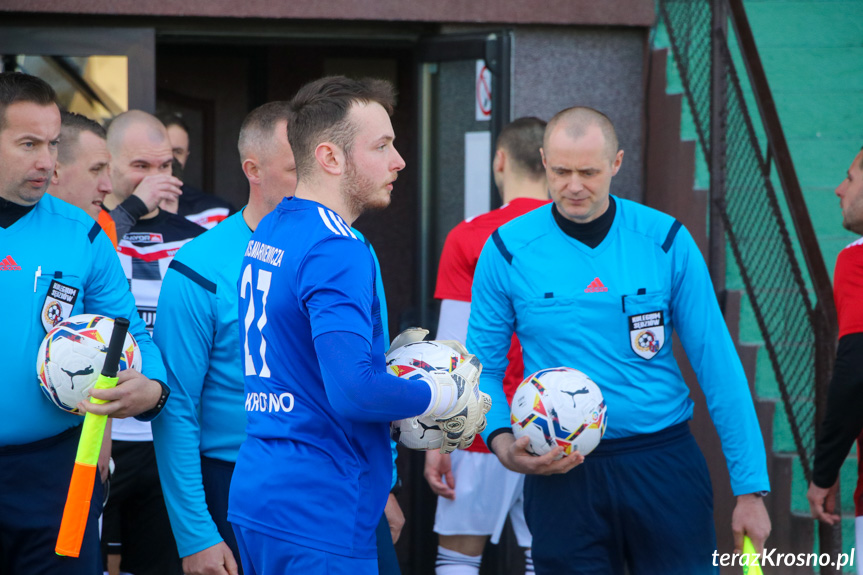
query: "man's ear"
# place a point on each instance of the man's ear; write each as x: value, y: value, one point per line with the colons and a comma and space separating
x: 618, y: 160
x: 542, y: 153
x: 252, y: 171
x: 330, y: 158
x: 499, y: 161
x: 55, y: 177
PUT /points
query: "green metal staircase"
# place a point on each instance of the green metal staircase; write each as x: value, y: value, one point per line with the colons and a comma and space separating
x: 812, y: 56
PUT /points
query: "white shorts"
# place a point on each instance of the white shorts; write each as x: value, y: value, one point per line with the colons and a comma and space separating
x: 485, y: 493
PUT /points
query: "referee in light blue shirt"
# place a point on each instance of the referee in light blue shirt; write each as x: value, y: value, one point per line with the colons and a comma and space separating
x: 599, y: 283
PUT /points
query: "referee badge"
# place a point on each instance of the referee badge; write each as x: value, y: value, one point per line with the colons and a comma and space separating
x: 58, y: 304
x: 647, y: 333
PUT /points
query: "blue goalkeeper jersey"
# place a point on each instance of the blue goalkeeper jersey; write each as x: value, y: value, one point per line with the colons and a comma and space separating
x: 197, y: 331
x: 307, y: 473
x: 56, y: 263
x: 610, y: 312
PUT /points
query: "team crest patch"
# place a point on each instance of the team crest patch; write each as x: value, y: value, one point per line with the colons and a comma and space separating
x: 58, y: 304
x: 647, y: 333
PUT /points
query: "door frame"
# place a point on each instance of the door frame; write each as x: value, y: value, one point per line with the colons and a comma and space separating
x: 495, y: 47
x: 138, y: 45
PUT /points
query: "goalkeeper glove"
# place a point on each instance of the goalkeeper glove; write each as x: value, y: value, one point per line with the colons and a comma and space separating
x: 410, y: 335
x: 458, y: 405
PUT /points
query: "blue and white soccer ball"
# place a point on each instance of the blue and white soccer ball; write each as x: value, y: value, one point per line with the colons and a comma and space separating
x: 559, y: 406
x: 71, y: 356
x: 415, y: 361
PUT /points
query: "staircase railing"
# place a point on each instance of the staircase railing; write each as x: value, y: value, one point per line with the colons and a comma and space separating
x: 792, y: 303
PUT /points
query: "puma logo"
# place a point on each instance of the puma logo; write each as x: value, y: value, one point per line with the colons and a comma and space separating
x: 427, y: 428
x: 572, y: 394
x: 86, y: 371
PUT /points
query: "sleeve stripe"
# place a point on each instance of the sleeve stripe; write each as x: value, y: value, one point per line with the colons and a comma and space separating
x: 341, y: 224
x: 193, y: 275
x: 94, y: 232
x: 498, y: 241
x: 672, y: 233
x: 336, y: 221
x: 327, y: 221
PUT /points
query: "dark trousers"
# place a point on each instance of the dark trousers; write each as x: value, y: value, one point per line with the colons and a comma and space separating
x: 643, y: 503
x: 34, y: 481
x: 216, y: 475
x: 136, y: 524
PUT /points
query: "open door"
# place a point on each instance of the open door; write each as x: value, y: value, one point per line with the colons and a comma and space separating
x: 98, y: 72
x: 464, y: 101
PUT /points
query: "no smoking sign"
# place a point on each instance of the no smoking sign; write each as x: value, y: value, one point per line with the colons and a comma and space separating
x: 483, y: 92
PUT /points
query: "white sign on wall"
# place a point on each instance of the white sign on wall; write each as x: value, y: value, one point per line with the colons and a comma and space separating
x: 483, y: 92
x: 477, y: 173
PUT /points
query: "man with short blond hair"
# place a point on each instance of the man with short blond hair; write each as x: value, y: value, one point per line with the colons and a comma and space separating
x: 81, y: 177
x: 476, y: 493
x: 198, y: 438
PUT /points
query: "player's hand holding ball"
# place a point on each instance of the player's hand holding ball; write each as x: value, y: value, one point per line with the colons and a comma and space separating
x: 459, y: 406
x: 558, y: 417
x: 457, y: 410
x: 559, y: 407
x: 71, y: 357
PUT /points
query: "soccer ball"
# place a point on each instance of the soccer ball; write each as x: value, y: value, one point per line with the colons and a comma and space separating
x: 559, y: 406
x: 423, y: 355
x: 71, y: 357
x: 414, y: 361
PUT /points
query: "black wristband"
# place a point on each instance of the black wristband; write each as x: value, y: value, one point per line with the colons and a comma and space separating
x: 494, y: 434
x: 151, y: 414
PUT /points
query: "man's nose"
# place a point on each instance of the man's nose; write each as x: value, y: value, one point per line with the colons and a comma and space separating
x: 399, y: 161
x: 840, y: 189
x: 104, y: 185
x: 45, y: 160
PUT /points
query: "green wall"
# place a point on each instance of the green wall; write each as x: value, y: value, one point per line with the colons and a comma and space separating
x: 812, y: 52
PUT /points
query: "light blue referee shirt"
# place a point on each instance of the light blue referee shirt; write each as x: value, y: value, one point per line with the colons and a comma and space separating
x: 610, y: 312
x: 56, y: 248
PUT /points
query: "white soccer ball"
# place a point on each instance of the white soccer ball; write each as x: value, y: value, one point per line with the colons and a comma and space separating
x: 559, y: 406
x: 415, y: 361
x: 71, y: 357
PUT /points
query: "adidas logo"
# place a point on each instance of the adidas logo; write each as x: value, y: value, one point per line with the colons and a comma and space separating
x: 9, y: 264
x: 595, y: 286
